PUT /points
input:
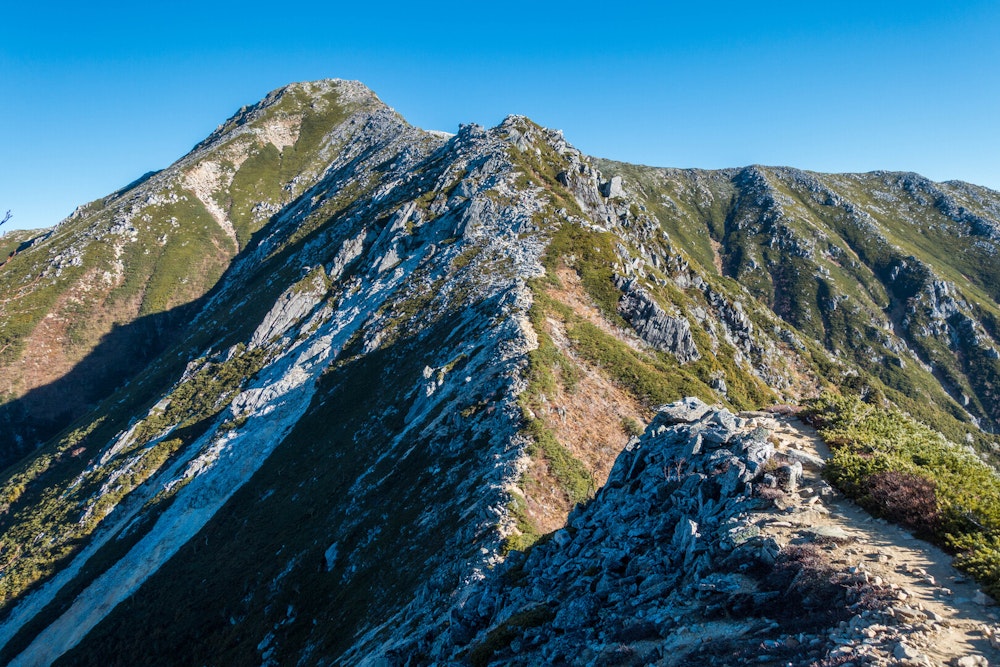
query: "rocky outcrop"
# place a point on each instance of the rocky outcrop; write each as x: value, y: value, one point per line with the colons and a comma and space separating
x: 680, y: 559
x: 613, y: 189
x: 345, y: 315
x: 116, y: 276
x: 662, y: 331
x: 668, y: 530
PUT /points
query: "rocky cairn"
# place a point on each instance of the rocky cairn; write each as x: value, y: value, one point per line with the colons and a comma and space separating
x: 671, y: 563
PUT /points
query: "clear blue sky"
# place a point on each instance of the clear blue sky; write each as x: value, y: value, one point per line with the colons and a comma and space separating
x: 95, y: 94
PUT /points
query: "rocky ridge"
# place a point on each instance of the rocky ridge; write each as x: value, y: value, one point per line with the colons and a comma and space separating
x: 705, y: 546
x: 360, y: 274
x: 885, y: 270
x: 124, y: 273
x: 414, y: 353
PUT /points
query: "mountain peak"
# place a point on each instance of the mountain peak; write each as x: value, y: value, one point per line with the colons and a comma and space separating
x: 300, y: 100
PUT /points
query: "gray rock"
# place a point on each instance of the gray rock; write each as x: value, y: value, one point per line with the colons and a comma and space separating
x: 637, y: 631
x: 461, y: 630
x: 687, y: 410
x: 662, y: 331
x: 692, y: 447
x: 656, y: 538
x: 717, y: 436
x: 330, y: 557
x: 769, y: 550
x: 804, y: 458
x: 733, y: 478
x: 830, y: 533
x: 983, y: 599
x: 293, y: 306
x: 908, y: 614
x: 903, y: 651
x: 720, y: 583
x: 725, y: 419
x: 757, y: 453
x: 685, y: 535
x: 577, y: 613
x: 613, y: 188
x: 789, y: 475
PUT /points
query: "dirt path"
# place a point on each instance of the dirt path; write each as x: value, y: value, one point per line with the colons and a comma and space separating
x: 943, y: 615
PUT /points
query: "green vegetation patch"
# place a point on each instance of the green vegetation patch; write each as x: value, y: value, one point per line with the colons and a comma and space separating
x: 900, y: 469
x: 652, y: 379
x: 527, y: 534
x: 573, y: 477
x: 261, y: 177
x: 202, y: 395
x: 592, y: 255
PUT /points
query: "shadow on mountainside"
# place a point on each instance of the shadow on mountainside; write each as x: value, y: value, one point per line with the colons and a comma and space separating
x: 122, y: 356
x: 136, y: 351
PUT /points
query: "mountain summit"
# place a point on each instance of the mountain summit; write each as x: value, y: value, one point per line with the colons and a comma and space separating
x: 300, y: 397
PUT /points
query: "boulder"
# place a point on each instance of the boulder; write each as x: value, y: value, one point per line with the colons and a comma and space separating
x: 330, y: 557
x: 725, y: 419
x: 757, y: 453
x: 905, y: 652
x: 804, y: 458
x: 829, y: 533
x: 789, y: 476
x: 613, y: 189
x: 686, y: 410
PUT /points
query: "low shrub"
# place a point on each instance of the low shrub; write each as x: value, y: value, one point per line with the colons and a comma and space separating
x: 904, y: 471
x: 632, y: 427
x: 907, y: 499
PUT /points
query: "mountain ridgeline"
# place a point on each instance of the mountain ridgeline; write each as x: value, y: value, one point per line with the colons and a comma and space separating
x: 296, y: 397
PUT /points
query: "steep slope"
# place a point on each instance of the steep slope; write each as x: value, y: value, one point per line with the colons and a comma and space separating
x: 88, y: 303
x: 374, y: 328
x: 414, y: 353
x: 889, y: 271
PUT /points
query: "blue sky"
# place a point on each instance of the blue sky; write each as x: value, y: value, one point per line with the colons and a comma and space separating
x: 97, y: 94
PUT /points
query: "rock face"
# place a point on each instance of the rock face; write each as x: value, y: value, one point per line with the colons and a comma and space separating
x: 92, y: 303
x: 671, y: 524
x: 311, y: 352
x: 651, y: 322
x: 842, y: 269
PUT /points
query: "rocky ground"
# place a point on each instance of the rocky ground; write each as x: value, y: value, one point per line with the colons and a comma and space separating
x: 935, y: 615
x: 716, y: 541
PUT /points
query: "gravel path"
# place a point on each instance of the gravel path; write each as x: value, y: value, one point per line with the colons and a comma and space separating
x: 942, y: 617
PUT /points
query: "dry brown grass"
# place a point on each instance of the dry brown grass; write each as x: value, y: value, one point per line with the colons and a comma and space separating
x: 586, y: 416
